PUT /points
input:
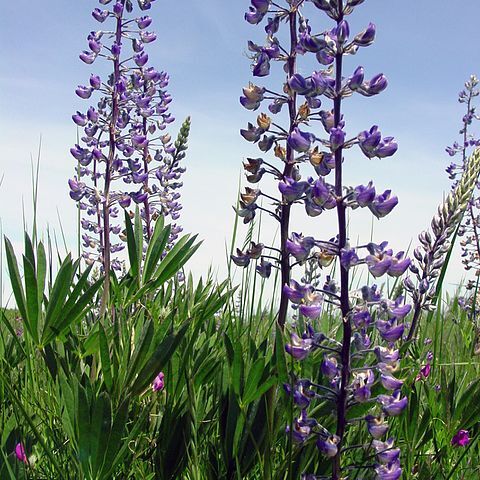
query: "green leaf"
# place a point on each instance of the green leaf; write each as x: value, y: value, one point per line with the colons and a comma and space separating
x: 138, y: 237
x: 16, y: 283
x: 253, y: 379
x: 280, y: 359
x: 83, y: 428
x: 132, y: 248
x: 60, y: 289
x: 41, y: 275
x: 142, y: 346
x: 155, y: 249
x: 100, y: 430
x: 237, y: 369
x: 158, y: 360
x: 31, y: 297
x: 105, y: 358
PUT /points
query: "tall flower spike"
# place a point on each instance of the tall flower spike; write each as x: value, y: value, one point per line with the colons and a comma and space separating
x: 366, y: 316
x: 123, y: 145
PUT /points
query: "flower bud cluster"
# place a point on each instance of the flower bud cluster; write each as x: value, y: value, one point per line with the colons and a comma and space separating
x: 124, y: 139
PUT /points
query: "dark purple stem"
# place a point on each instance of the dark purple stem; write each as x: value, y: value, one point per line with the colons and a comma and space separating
x: 287, y: 172
x: 342, y: 240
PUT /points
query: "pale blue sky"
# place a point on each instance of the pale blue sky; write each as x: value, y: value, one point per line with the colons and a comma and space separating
x: 426, y: 48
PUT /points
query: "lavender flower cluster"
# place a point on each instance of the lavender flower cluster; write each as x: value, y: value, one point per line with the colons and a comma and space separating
x: 368, y: 355
x: 124, y: 136
x: 470, y: 225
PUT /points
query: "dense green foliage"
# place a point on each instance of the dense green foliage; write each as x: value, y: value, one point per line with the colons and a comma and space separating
x: 75, y: 385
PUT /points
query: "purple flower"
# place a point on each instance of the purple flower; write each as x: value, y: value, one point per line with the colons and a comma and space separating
x: 116, y: 49
x: 391, y: 471
x: 362, y: 381
x: 389, y: 382
x: 88, y: 57
x: 377, y: 84
x: 143, y: 22
x: 80, y: 119
x: 118, y: 8
x: 253, y: 97
x: 141, y: 59
x: 460, y: 439
x: 257, y: 11
x: 300, y: 84
x: 295, y: 292
x: 365, y: 37
x: 378, y: 264
x: 399, y: 265
x: 424, y: 372
x: 77, y: 189
x: 393, y: 405
x: 388, y: 355
x: 364, y: 194
x: 356, y: 80
x: 348, y: 258
x: 383, y: 204
x: 251, y: 133
x: 312, y: 308
x: 264, y: 269
x: 337, y: 138
x: 291, y: 189
x: 95, y: 82
x: 148, y: 37
x: 369, y: 141
x: 138, y: 197
x: 385, y: 452
x: 20, y: 453
x: 321, y: 194
x: 299, y: 348
x: 329, y: 367
x: 342, y: 31
x: 362, y: 318
x: 328, y: 446
x: 302, y: 427
x: 302, y: 394
x: 261, y: 67
x: 241, y: 259
x: 377, y: 427
x: 247, y: 212
x: 299, y: 246
x: 159, y: 382
x: 100, y: 15
x: 84, y: 92
x: 390, y: 331
x: 300, y: 141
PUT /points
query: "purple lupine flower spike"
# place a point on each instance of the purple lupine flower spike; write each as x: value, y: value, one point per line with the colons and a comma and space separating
x: 117, y: 132
x: 304, y: 98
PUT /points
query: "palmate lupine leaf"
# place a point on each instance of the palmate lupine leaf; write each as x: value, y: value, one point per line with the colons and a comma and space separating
x: 156, y: 270
x: 158, y: 359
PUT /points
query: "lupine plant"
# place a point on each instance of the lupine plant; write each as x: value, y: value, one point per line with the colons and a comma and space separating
x: 366, y: 356
x: 124, y: 136
x: 470, y: 243
x: 455, y: 216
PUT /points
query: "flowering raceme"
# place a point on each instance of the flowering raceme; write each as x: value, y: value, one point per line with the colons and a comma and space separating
x: 124, y: 136
x: 372, y: 325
